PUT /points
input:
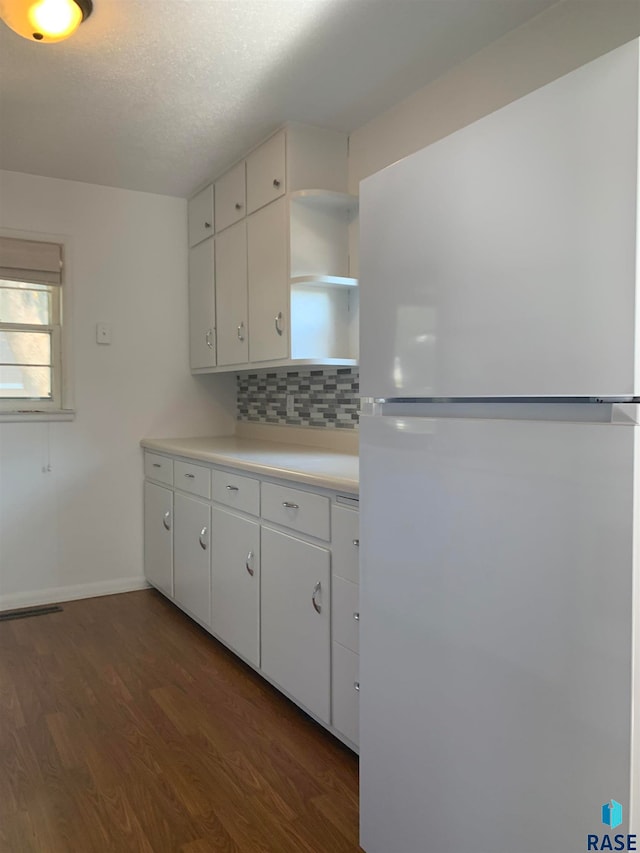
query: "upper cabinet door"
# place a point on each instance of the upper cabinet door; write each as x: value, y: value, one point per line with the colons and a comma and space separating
x: 268, y: 271
x: 201, y: 216
x: 231, y: 197
x: 202, y: 305
x: 501, y: 260
x: 266, y: 172
x: 231, y: 295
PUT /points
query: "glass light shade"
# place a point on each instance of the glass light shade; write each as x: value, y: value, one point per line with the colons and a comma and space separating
x: 42, y: 20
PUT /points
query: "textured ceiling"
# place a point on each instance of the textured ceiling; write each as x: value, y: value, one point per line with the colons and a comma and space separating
x: 159, y: 95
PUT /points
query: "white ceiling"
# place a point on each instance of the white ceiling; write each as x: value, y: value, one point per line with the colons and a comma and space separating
x: 160, y: 95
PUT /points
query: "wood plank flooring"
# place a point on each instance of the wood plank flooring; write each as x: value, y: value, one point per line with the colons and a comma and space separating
x: 125, y: 727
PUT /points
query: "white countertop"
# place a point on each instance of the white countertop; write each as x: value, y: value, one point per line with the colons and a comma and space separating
x: 315, y: 466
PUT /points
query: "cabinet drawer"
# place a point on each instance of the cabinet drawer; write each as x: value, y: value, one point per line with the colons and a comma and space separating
x: 345, y: 612
x: 158, y: 468
x: 201, y: 216
x: 266, y: 173
x: 344, y: 533
x: 192, y: 478
x: 345, y: 691
x: 302, y: 511
x: 236, y: 491
x: 230, y: 201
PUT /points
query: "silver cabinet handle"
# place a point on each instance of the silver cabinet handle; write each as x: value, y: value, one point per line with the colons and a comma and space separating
x: 356, y: 616
x: 233, y: 489
x: 248, y: 567
x: 207, y: 225
x: 356, y: 686
x: 276, y: 182
x: 240, y: 334
x: 208, y: 338
x: 238, y: 206
x: 317, y: 588
x: 278, y: 320
x: 190, y: 476
x: 166, y: 520
x: 157, y: 465
x: 356, y: 542
x: 203, y: 532
x: 288, y: 505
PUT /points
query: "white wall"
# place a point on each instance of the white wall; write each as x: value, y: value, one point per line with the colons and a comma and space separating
x: 553, y: 43
x: 78, y: 529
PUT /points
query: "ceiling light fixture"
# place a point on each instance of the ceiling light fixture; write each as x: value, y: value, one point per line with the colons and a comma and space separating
x: 45, y: 20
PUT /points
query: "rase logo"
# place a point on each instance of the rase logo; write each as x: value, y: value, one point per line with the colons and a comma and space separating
x: 611, y: 817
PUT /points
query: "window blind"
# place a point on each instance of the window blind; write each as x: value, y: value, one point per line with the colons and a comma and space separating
x: 26, y: 260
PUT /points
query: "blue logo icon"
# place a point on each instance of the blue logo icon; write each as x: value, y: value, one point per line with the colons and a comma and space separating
x: 612, y: 814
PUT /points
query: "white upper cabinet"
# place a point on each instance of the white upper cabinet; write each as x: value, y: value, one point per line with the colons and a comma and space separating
x: 230, y: 197
x: 231, y: 295
x: 268, y: 284
x: 284, y: 290
x: 200, y: 216
x: 266, y: 174
x: 202, y: 305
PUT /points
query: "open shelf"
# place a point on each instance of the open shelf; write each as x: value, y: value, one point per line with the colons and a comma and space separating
x: 324, y: 281
x: 327, y: 199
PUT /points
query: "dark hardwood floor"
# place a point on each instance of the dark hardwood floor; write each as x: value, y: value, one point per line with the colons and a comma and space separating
x: 125, y: 727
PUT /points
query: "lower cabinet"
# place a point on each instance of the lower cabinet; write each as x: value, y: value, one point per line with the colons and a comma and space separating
x: 158, y: 537
x: 192, y: 561
x: 346, y: 691
x: 235, y: 574
x: 295, y: 619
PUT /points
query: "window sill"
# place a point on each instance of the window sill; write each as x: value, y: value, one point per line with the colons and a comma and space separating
x: 31, y: 416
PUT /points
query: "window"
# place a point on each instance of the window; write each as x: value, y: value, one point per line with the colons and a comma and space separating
x: 30, y: 325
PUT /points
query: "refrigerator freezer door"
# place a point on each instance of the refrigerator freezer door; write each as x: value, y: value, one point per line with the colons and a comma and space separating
x: 501, y: 260
x: 495, y: 668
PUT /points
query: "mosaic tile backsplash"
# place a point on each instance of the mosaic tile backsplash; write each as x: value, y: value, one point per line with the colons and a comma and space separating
x: 327, y: 397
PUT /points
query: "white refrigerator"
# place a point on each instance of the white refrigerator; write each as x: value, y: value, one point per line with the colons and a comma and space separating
x: 500, y: 478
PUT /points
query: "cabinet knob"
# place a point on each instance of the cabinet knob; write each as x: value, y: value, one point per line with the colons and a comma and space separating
x: 356, y: 542
x: 207, y: 225
x: 276, y: 182
x: 356, y: 686
x: 356, y: 616
x: 247, y: 566
x: 317, y: 588
x: 238, y: 206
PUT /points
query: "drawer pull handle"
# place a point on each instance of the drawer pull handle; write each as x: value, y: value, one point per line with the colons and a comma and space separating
x: 157, y: 465
x: 248, y: 567
x: 356, y: 542
x: 241, y: 331
x: 203, y: 532
x: 278, y: 321
x: 317, y: 588
x: 356, y: 616
x: 288, y: 505
x: 190, y: 476
x: 233, y: 489
x: 166, y: 520
x: 208, y: 338
x: 356, y: 686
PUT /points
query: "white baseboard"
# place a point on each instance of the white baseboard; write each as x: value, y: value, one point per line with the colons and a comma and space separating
x: 71, y: 593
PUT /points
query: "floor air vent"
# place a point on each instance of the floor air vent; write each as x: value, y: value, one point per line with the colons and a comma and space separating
x: 29, y: 611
